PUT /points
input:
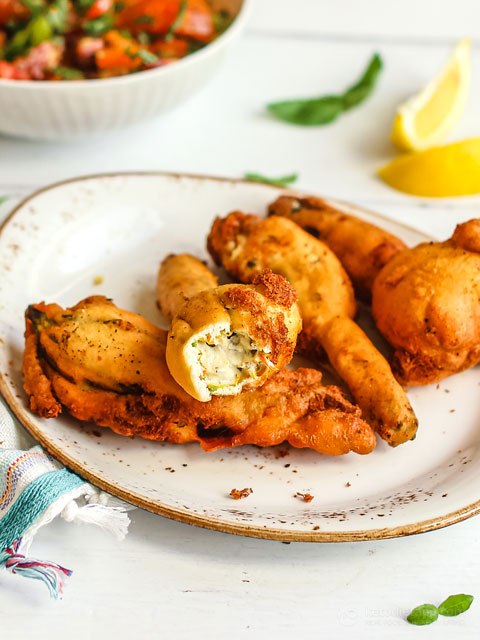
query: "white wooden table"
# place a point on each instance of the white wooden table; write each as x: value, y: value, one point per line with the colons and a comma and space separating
x: 171, y: 580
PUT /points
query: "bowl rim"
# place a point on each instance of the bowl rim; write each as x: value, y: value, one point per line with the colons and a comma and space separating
x: 209, y: 49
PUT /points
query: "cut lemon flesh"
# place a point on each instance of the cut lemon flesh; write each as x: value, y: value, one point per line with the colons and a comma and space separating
x: 439, y: 172
x: 428, y: 117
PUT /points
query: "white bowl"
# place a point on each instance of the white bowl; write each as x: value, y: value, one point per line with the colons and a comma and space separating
x: 52, y: 110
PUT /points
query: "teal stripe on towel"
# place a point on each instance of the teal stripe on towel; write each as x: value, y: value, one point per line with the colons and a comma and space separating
x: 33, y: 501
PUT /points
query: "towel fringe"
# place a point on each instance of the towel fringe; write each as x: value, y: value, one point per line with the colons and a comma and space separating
x: 50, y: 573
x: 109, y: 518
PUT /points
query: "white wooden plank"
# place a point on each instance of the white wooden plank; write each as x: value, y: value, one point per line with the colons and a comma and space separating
x: 425, y: 21
x: 171, y: 580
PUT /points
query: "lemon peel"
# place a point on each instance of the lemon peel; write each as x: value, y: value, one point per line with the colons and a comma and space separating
x: 429, y: 116
x: 439, y: 172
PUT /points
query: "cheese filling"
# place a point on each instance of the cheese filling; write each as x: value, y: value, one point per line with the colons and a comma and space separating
x: 227, y: 359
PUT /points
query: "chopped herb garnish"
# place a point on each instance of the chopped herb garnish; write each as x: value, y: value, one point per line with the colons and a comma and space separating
x: 222, y: 20
x: 83, y: 5
x: 18, y: 44
x: 57, y: 16
x: 323, y: 110
x: 3, y: 199
x: 35, y: 6
x: 144, y: 38
x: 194, y: 343
x: 119, y: 6
x: 145, y: 20
x: 67, y: 73
x: 194, y: 46
x: 177, y: 22
x: 147, y: 56
x: 99, y: 26
x: 131, y: 54
x: 40, y: 30
x: 278, y: 182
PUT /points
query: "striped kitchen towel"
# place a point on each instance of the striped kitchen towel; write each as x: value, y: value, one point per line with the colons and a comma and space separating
x: 34, y: 489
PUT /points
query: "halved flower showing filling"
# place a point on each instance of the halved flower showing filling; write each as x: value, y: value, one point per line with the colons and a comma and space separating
x: 223, y: 361
x: 231, y: 338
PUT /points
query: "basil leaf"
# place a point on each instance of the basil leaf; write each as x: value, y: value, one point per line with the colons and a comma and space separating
x: 364, y: 86
x: 424, y: 614
x: 315, y: 111
x: 278, y: 182
x: 455, y: 605
x: 325, y: 109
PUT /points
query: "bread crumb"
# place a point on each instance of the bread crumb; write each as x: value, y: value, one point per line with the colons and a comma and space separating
x: 236, y: 494
x: 306, y: 497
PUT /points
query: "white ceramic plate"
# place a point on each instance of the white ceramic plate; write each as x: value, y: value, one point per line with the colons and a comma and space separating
x: 119, y: 227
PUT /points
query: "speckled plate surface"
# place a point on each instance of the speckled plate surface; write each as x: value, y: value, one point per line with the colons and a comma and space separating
x: 118, y: 227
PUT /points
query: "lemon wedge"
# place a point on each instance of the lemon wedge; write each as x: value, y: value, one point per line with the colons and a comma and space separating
x: 428, y: 117
x: 439, y: 172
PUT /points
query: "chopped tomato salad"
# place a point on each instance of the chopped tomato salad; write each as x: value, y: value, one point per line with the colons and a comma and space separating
x: 82, y: 39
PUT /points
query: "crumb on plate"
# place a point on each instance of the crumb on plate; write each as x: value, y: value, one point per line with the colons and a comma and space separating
x: 236, y: 494
x: 306, y: 497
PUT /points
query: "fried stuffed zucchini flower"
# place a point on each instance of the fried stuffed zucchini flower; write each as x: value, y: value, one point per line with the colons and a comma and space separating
x: 224, y: 339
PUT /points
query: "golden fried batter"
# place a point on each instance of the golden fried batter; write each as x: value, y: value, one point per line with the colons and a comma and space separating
x: 426, y: 302
x: 225, y: 339
x: 362, y: 248
x: 247, y: 244
x: 179, y: 278
x: 108, y: 366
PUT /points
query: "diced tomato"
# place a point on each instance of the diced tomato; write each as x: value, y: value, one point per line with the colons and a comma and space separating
x: 153, y: 16
x: 175, y: 48
x: 197, y: 22
x: 158, y: 16
x: 118, y: 53
x: 12, y: 10
x: 98, y: 8
x: 7, y: 70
